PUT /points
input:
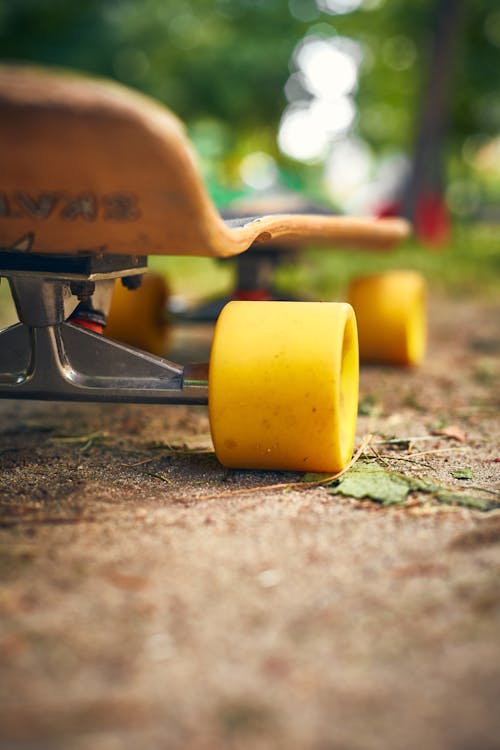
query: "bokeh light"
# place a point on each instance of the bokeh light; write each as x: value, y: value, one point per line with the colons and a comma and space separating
x: 258, y: 170
x: 328, y: 71
x: 339, y: 6
x: 302, y: 135
x: 347, y: 169
x: 320, y: 94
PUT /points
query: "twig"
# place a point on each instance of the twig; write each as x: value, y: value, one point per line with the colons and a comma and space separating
x: 293, y: 485
x: 87, y: 440
x: 156, y: 476
x: 442, y: 450
x: 140, y: 463
x: 183, y: 451
x: 398, y: 441
x: 378, y: 456
x: 408, y: 460
x: 78, y: 438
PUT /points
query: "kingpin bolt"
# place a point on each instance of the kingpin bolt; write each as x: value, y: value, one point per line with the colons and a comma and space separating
x: 83, y: 289
x: 131, y: 282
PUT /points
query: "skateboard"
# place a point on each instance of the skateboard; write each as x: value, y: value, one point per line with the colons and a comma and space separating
x: 94, y: 178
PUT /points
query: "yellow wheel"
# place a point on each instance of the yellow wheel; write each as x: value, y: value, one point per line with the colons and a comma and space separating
x: 283, y: 385
x: 391, y: 314
x: 138, y: 316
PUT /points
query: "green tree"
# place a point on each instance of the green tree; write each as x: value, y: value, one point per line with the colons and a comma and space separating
x: 222, y: 64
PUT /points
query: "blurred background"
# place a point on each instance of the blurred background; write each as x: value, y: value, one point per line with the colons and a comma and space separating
x: 364, y: 106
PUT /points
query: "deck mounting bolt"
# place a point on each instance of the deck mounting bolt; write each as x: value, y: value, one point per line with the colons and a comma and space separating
x: 83, y: 289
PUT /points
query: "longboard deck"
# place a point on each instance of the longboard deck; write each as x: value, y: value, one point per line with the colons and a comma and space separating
x: 90, y: 166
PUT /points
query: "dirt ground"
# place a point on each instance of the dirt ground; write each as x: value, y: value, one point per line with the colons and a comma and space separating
x: 148, y: 600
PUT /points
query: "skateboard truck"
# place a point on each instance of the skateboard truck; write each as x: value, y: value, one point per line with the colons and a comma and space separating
x: 46, y: 357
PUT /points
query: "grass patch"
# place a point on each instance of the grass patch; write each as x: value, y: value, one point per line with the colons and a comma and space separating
x: 469, y: 265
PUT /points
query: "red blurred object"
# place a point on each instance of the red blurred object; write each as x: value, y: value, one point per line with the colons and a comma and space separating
x: 90, y: 324
x: 431, y: 221
x: 253, y: 295
x: 391, y: 208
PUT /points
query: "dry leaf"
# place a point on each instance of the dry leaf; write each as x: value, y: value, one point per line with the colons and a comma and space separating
x: 454, y: 432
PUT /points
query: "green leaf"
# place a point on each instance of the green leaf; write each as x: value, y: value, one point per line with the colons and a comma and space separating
x: 464, y: 500
x: 368, y: 480
x: 463, y: 473
x: 313, y: 476
x: 374, y: 482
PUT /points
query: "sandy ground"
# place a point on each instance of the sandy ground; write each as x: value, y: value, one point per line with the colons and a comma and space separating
x: 149, y: 601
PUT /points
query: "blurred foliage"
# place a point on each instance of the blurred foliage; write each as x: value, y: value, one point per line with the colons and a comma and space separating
x: 219, y: 59
x: 398, y: 37
x: 222, y: 64
x: 469, y: 265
